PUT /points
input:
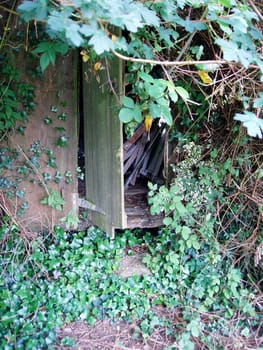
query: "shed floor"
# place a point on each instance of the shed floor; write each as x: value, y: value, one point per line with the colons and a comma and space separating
x: 137, y: 209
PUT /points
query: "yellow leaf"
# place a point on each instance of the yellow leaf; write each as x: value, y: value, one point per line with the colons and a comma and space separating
x: 85, y: 56
x: 113, y: 37
x: 97, y: 66
x: 206, y: 79
x: 148, y: 124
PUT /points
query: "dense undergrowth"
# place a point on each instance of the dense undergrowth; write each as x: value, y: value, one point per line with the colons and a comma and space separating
x: 205, y: 262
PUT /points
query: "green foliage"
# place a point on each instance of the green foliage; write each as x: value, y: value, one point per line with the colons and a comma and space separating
x: 214, y: 29
x: 155, y: 96
x: 16, y: 98
x: 253, y: 124
x: 84, y: 27
x: 18, y: 166
x: 73, y: 277
x: 71, y: 220
x: 54, y: 200
x: 49, y: 51
x: 130, y: 111
x: 196, y: 256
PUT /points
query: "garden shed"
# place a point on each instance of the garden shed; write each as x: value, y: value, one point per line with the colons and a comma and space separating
x: 75, y: 105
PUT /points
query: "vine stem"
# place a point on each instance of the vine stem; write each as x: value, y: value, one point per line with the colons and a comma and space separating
x: 168, y: 63
x: 20, y: 150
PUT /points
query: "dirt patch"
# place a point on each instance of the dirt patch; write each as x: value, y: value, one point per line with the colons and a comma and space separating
x: 132, y: 265
x: 117, y: 335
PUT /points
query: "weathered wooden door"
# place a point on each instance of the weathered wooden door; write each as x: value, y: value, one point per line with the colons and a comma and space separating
x: 104, y: 145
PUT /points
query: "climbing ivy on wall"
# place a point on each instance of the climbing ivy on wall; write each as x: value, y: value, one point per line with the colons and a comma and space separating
x: 35, y: 164
x: 16, y: 97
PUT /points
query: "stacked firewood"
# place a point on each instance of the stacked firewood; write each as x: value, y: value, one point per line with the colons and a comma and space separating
x: 144, y: 154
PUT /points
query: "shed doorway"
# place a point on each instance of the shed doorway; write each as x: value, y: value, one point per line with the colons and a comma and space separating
x: 117, y: 169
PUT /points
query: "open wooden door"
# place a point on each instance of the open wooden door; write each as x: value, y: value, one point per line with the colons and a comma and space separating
x: 103, y: 145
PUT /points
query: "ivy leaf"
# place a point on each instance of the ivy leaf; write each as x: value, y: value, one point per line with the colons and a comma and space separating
x: 54, y: 200
x: 186, y: 232
x: 168, y: 221
x: 71, y: 220
x: 253, y: 124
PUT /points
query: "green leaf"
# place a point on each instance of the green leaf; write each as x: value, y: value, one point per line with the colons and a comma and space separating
x: 182, y: 92
x: 207, y: 67
x: 161, y: 111
x: 180, y: 209
x: 193, y: 327
x: 54, y: 200
x: 48, y: 50
x: 62, y: 48
x: 101, y: 42
x: 71, y: 220
x: 258, y: 102
x: 126, y: 115
x: 191, y: 26
x: 195, y: 244
x: 146, y: 77
x: 42, y: 47
x: 73, y: 34
x: 229, y: 49
x: 171, y: 91
x: 33, y: 9
x: 127, y: 102
x: 186, y: 232
x: 173, y: 257
x: 137, y: 113
x: 226, y: 3
x: 253, y: 124
x: 155, y: 90
x: 150, y: 17
x: 168, y: 221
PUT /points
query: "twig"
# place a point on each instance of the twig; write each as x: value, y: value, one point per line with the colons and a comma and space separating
x: 110, y: 81
x: 251, y: 3
x: 169, y: 63
x: 34, y: 168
